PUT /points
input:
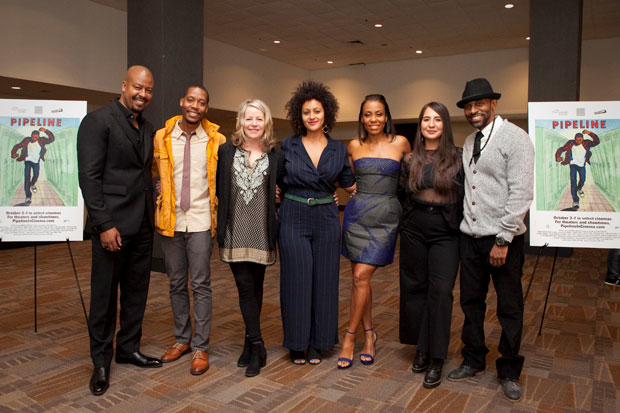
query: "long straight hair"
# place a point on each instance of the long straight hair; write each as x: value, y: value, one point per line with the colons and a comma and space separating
x: 447, y: 161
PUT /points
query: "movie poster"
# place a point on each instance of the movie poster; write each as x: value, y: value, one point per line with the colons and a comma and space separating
x: 40, y: 198
x: 577, y: 174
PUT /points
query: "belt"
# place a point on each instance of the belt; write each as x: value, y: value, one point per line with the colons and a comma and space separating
x: 310, y: 201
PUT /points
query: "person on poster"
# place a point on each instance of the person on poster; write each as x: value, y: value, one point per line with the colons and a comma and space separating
x: 578, y: 153
x: 185, y: 162
x: 32, y: 151
x: 115, y: 153
x: 498, y: 161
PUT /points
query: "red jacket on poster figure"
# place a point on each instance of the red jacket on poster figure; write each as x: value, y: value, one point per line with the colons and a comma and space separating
x: 34, y: 137
x: 587, y: 144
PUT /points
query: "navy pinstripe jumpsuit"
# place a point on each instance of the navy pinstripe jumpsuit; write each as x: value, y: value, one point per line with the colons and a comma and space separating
x: 309, y: 245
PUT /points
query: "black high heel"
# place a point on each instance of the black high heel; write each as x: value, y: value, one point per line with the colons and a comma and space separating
x: 314, y: 356
x: 244, y: 358
x: 298, y: 357
x: 258, y: 359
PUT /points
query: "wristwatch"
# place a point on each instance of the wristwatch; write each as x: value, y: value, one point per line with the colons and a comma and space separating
x: 501, y: 242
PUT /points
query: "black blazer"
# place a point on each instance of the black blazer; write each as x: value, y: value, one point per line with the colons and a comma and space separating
x: 115, y: 170
x: 225, y: 154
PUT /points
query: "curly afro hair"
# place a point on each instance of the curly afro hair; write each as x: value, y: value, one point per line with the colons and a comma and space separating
x: 306, y: 91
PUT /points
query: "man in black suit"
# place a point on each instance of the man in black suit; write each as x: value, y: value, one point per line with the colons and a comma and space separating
x: 115, y: 153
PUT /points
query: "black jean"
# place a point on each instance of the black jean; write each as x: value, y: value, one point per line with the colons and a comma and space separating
x: 249, y: 277
x: 476, y: 272
x: 613, y: 263
x: 429, y: 259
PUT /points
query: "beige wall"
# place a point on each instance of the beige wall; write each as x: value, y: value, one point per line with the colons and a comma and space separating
x: 408, y: 85
x: 65, y: 42
x: 233, y: 75
x: 83, y: 44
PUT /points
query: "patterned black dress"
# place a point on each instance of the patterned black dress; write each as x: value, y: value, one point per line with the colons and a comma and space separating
x: 371, y: 217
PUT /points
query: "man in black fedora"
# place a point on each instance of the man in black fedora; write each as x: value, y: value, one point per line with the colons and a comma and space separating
x: 499, y: 180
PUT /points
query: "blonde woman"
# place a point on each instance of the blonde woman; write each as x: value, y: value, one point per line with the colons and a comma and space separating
x: 248, y: 168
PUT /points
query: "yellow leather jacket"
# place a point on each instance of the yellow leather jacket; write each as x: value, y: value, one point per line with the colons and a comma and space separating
x: 163, y: 167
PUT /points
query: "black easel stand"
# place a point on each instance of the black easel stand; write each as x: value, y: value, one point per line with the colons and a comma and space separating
x: 35, y: 287
x: 555, y: 257
x: 77, y: 282
x: 542, y: 320
x: 529, y: 285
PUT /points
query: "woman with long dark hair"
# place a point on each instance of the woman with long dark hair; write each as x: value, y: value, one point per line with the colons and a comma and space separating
x: 371, y: 217
x: 431, y: 192
x: 248, y: 168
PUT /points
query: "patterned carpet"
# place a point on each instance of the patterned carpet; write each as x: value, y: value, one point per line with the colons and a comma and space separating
x: 574, y: 366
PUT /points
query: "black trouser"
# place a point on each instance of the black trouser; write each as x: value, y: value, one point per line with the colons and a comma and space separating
x: 131, y: 269
x: 249, y: 277
x: 476, y: 272
x: 429, y: 259
x: 613, y: 263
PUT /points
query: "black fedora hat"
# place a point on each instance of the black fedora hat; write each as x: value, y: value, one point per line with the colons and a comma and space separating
x: 477, y: 89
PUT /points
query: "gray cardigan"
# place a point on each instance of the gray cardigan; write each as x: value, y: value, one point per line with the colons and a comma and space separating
x: 499, y: 188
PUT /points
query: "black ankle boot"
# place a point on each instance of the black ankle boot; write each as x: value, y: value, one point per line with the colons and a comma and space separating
x: 244, y: 358
x: 420, y: 362
x: 258, y: 359
x: 432, y: 378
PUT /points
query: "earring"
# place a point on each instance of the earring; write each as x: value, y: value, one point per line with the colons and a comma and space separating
x: 325, y: 129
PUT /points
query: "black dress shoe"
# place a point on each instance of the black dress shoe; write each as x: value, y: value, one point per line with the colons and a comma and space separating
x: 99, y: 381
x: 432, y: 378
x: 463, y: 372
x: 138, y: 359
x: 420, y: 362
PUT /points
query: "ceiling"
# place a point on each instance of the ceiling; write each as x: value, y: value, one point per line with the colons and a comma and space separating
x: 311, y: 32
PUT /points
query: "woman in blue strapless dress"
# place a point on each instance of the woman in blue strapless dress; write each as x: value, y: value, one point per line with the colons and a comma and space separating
x: 371, y: 217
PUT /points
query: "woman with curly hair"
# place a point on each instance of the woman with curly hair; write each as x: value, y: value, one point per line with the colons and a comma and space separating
x: 431, y: 192
x: 371, y: 217
x: 309, y: 224
x: 248, y: 169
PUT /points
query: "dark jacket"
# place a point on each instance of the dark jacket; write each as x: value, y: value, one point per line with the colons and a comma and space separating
x: 226, y: 154
x: 23, y: 145
x: 115, y: 170
x: 568, y: 146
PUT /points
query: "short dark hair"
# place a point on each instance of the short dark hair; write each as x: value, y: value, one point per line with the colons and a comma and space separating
x: 35, y: 131
x: 389, y: 128
x: 306, y: 91
x: 199, y: 87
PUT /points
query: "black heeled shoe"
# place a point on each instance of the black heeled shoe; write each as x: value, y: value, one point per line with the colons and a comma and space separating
x: 432, y: 378
x: 244, y: 358
x: 420, y: 362
x: 258, y: 359
x: 298, y: 357
x: 314, y: 356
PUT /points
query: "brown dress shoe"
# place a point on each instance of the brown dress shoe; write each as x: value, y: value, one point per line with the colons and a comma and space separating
x: 175, y: 352
x: 200, y: 363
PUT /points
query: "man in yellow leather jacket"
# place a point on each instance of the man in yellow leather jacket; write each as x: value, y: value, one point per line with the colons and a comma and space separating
x: 185, y: 162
